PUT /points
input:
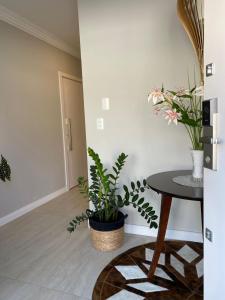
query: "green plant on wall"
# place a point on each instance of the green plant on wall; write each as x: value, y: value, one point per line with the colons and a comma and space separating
x: 108, y: 198
x: 5, y: 170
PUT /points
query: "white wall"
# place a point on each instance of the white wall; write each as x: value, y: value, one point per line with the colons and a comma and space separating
x: 214, y: 200
x: 127, y: 48
x: 30, y: 121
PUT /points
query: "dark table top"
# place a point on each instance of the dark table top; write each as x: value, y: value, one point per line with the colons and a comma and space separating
x: 162, y: 183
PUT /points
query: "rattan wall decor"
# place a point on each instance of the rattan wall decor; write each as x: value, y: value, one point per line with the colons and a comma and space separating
x: 191, y: 15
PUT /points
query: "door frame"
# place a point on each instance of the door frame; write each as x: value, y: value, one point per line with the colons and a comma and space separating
x: 62, y: 75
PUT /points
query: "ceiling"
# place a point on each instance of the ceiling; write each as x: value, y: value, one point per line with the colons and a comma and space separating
x: 58, y: 17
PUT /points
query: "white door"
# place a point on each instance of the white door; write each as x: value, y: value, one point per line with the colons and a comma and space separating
x: 74, y: 129
x: 214, y: 198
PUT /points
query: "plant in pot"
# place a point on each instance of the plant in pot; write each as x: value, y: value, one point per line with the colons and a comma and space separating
x: 5, y: 171
x: 105, y: 217
x: 183, y: 106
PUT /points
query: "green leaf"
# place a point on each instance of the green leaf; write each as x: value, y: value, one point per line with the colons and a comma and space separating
x: 154, y: 217
x: 126, y: 202
x: 119, y: 198
x: 151, y: 213
x: 140, y: 201
x: 115, y: 170
x: 192, y: 90
x: 118, y: 165
x: 125, y: 189
x: 135, y: 198
x: 144, y: 206
x: 127, y: 196
x: 70, y: 229
x: 149, y: 209
x: 186, y: 96
x: 120, y: 201
x: 172, y: 92
x: 132, y: 185
x: 154, y: 225
x: 112, y: 176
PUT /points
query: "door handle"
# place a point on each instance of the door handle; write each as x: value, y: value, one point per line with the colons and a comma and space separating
x: 69, y: 134
x: 210, y: 138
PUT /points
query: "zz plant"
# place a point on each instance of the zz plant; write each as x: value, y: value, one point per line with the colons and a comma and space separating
x: 104, y: 194
x: 5, y: 171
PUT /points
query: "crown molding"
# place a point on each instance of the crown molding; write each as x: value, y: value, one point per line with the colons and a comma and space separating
x: 23, y: 24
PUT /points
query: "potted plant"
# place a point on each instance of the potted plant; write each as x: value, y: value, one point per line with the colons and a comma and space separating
x: 105, y: 217
x: 5, y: 171
x: 183, y: 106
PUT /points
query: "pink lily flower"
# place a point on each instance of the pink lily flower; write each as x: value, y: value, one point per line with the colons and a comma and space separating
x: 156, y: 96
x: 172, y: 116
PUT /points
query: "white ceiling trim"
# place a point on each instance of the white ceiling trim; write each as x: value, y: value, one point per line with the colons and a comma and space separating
x: 16, y: 20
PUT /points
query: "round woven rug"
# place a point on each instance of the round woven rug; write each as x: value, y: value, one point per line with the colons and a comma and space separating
x: 179, y: 274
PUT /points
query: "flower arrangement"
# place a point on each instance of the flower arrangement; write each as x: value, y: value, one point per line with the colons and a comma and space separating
x: 181, y: 106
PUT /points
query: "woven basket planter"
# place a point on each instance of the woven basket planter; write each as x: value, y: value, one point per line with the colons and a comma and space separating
x: 107, y: 236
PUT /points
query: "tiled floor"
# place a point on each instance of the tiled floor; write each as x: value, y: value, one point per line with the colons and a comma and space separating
x: 39, y: 260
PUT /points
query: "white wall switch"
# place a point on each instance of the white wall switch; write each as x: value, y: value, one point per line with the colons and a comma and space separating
x: 105, y: 103
x: 210, y: 69
x: 100, y: 123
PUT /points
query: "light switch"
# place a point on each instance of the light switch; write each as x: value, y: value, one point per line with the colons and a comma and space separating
x: 100, y: 123
x: 105, y: 103
x: 210, y: 70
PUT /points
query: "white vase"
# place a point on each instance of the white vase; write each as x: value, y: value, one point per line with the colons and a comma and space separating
x: 197, y: 157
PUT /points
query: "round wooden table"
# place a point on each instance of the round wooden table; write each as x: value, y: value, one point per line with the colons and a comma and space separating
x: 163, y: 184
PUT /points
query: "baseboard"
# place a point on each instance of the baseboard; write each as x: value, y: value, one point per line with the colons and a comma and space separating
x: 25, y: 209
x: 170, y: 234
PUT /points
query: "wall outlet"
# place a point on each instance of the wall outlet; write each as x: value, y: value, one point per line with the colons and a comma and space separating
x: 105, y: 103
x: 209, y: 234
x: 100, y: 123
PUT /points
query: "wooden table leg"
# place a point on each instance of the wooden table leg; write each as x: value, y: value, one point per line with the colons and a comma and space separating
x: 163, y: 222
